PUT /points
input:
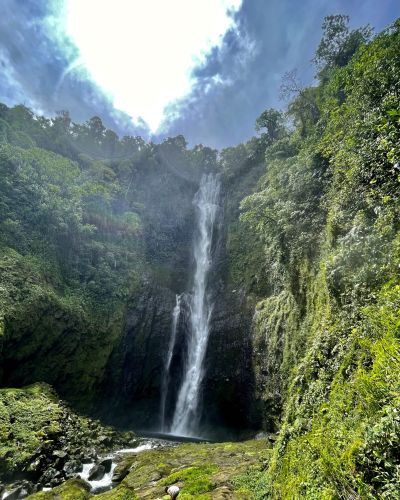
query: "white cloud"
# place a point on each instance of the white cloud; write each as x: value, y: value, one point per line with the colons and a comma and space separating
x: 142, y: 52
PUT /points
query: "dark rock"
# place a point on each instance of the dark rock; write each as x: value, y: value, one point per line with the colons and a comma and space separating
x: 119, y: 473
x: 60, y: 453
x: 105, y: 440
x: 55, y: 482
x: 96, y: 473
x: 106, y: 463
x: 35, y: 466
x: 92, y: 454
x: 37, y: 487
x: 47, y: 476
x: 72, y: 467
x: 59, y: 464
x: 27, y: 487
x: 14, y: 494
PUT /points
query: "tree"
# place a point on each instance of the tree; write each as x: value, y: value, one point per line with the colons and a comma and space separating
x: 338, y: 43
x: 272, y: 121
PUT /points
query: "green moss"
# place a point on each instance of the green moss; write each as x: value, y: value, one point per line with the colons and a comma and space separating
x: 27, y: 417
x: 341, y: 450
x: 202, y: 471
x: 33, y: 422
x: 74, y: 489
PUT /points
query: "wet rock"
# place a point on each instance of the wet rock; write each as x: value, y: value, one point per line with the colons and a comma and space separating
x: 96, y: 473
x: 36, y: 465
x: 37, y: 487
x: 119, y: 473
x: 105, y: 440
x: 72, y: 466
x: 14, y: 494
x: 60, y: 453
x: 47, y: 476
x: 106, y: 463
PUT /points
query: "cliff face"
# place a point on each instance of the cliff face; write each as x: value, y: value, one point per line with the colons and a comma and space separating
x: 325, y: 332
x: 93, y: 253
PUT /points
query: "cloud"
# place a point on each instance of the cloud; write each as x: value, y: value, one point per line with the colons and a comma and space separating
x: 232, y: 85
x: 281, y: 35
x: 35, y: 70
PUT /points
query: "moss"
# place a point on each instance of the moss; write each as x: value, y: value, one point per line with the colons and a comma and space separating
x: 27, y: 417
x: 202, y: 471
x: 74, y: 489
x: 35, y: 422
x: 337, y: 452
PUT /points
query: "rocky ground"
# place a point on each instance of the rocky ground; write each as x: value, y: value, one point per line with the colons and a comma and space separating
x: 202, y: 471
x: 43, y: 443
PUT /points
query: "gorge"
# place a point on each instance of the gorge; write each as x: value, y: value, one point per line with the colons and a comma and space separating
x: 248, y: 296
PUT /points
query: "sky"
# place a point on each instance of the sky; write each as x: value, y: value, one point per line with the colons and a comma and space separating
x: 202, y: 68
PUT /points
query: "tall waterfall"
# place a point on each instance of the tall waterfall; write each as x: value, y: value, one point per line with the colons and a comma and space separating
x: 164, y: 390
x: 187, y: 412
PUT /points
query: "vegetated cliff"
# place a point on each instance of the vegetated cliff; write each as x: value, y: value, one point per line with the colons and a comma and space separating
x: 326, y: 352
x: 96, y: 238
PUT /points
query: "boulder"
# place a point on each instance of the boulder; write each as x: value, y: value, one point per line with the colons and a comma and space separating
x: 14, y: 494
x: 106, y: 463
x: 72, y: 466
x: 96, y: 473
x: 119, y: 473
x: 105, y: 440
x: 60, y: 454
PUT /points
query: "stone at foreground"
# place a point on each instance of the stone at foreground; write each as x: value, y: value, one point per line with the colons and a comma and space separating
x: 200, y: 470
x: 73, y: 489
x: 203, y: 471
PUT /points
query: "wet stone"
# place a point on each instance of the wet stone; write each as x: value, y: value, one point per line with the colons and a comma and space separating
x: 97, y: 472
x: 106, y: 463
x: 14, y: 494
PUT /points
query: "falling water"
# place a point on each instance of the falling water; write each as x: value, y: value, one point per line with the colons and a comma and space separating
x: 187, y: 413
x: 164, y: 390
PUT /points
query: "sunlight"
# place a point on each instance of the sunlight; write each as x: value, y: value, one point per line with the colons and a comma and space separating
x: 142, y: 53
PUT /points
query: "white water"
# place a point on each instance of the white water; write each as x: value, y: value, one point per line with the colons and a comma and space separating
x: 106, y: 481
x: 187, y: 412
x: 164, y: 390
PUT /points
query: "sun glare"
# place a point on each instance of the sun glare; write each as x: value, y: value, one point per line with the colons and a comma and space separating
x: 142, y: 53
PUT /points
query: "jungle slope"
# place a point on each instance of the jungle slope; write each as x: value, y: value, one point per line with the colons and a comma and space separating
x: 326, y: 335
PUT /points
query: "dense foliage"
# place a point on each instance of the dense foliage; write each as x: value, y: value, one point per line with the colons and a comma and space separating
x: 328, y: 212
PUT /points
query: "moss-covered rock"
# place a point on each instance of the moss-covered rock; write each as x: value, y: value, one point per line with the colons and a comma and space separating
x: 73, y: 489
x: 41, y: 439
x: 202, y: 471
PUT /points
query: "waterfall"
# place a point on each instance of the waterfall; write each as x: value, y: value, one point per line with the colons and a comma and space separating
x: 187, y: 412
x: 164, y: 390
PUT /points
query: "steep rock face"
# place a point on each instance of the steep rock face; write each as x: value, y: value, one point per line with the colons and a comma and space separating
x: 49, y: 337
x: 274, y: 321
x: 228, y: 387
x: 136, y: 367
